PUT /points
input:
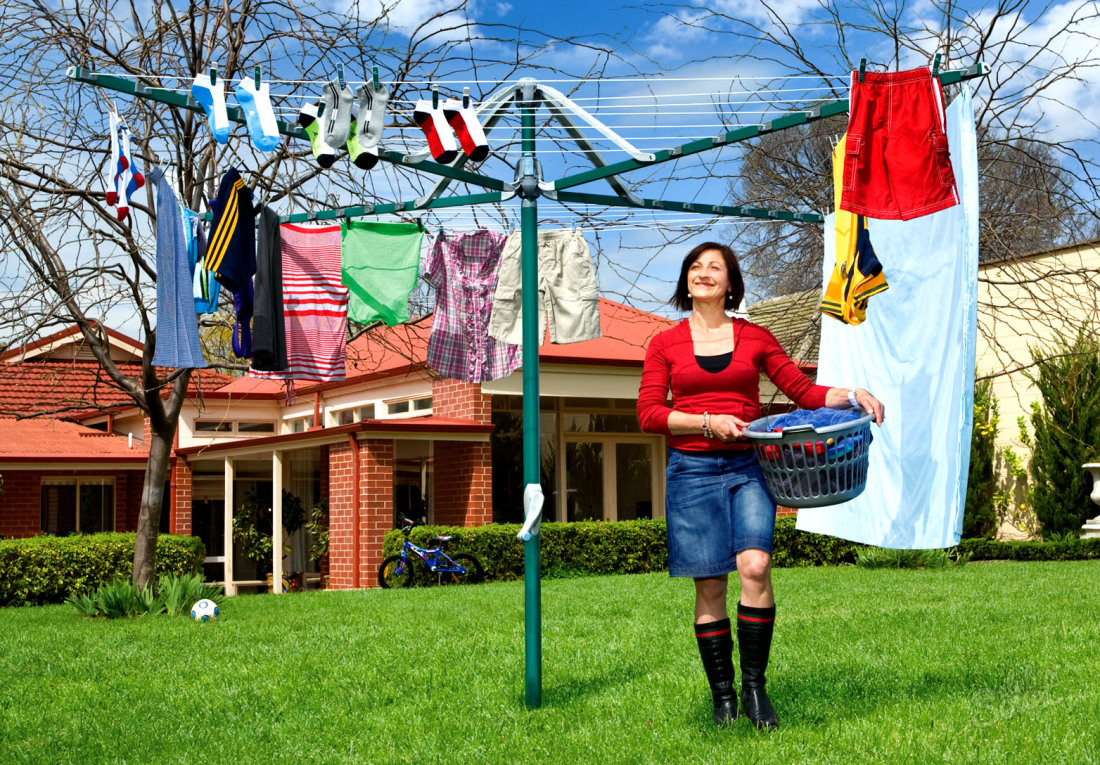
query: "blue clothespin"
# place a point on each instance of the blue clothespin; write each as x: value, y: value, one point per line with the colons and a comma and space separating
x: 862, y: 68
x: 465, y: 98
x: 374, y: 77
x: 936, y: 65
x: 340, y: 76
x: 257, y: 75
x: 435, y: 96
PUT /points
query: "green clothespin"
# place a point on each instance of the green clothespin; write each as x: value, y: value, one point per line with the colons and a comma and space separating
x: 214, y: 75
x: 257, y: 75
x: 936, y: 65
x: 374, y: 77
x: 862, y: 68
x: 340, y: 76
x: 435, y: 96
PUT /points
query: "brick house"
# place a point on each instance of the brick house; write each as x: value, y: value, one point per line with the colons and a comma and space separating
x: 392, y: 438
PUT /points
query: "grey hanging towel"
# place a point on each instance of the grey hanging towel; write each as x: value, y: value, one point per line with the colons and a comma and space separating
x: 177, y: 336
x: 268, y: 324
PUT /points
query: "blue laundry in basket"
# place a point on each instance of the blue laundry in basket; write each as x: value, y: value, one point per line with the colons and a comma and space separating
x: 818, y: 418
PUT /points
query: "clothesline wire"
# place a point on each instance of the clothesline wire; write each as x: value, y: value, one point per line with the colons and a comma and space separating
x: 459, y: 83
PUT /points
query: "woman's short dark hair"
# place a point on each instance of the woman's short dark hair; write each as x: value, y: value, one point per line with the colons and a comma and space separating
x: 681, y: 298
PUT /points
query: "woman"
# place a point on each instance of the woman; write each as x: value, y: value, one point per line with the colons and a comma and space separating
x: 719, y: 512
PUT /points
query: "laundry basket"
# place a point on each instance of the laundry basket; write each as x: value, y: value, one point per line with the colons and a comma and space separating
x: 813, y: 467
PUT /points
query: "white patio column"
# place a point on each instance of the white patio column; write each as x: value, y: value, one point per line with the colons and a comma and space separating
x: 277, y: 522
x: 230, y: 475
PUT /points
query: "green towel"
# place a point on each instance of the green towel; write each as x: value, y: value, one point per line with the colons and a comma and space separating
x: 379, y: 264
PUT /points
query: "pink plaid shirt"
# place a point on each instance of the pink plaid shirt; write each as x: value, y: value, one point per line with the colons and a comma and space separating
x: 463, y: 268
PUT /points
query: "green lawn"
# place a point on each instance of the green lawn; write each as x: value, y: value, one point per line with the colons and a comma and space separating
x: 990, y: 663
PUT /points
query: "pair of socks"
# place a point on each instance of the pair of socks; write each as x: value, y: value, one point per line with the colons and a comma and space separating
x: 122, y: 177
x: 363, y: 157
x: 212, y: 100
x: 441, y: 125
x: 263, y: 129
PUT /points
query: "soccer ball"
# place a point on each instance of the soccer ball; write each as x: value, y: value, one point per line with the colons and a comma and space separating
x: 205, y: 610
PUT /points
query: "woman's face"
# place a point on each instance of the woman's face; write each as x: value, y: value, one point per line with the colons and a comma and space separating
x: 707, y: 277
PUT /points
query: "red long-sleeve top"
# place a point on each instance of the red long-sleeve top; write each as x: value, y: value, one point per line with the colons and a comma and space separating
x: 670, y: 364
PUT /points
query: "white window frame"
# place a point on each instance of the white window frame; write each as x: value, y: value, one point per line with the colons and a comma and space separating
x: 411, y: 401
x: 78, y: 482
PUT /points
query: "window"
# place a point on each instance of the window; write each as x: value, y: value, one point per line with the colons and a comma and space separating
x: 301, y: 424
x: 366, y: 412
x: 78, y: 505
x: 345, y: 417
x: 397, y: 407
x: 211, y: 426
x: 255, y: 427
x: 422, y: 404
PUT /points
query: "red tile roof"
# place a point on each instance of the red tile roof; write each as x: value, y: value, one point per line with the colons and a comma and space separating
x: 44, y: 440
x: 390, y: 351
x: 75, y: 389
x: 73, y: 332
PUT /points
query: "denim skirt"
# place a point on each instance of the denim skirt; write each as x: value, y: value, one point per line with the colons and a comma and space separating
x: 716, y: 505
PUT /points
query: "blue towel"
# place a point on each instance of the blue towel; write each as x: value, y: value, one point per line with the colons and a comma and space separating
x: 177, y: 333
x: 818, y: 418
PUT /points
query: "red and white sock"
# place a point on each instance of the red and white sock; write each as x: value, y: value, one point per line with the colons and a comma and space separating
x: 441, y: 141
x: 464, y: 121
x: 111, y: 172
x: 137, y: 179
x: 122, y: 182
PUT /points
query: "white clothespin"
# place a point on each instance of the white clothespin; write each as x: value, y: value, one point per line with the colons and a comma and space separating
x: 533, y: 499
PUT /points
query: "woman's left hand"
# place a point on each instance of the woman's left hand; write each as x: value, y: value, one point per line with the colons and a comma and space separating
x: 870, y: 404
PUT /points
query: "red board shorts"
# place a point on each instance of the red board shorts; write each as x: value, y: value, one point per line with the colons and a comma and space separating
x: 897, y: 163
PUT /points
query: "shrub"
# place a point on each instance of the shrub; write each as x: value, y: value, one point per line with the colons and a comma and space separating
x: 43, y: 570
x: 1066, y: 433
x: 596, y: 547
x: 881, y: 557
x: 121, y: 598
x: 980, y: 514
x: 989, y: 549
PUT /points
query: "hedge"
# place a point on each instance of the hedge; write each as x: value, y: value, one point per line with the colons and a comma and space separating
x: 46, y: 569
x: 988, y: 549
x: 597, y: 547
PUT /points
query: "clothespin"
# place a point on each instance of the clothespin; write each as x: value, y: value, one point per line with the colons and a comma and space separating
x: 465, y: 98
x: 435, y: 96
x: 257, y: 75
x: 862, y: 68
x: 340, y: 76
x: 374, y: 77
x: 420, y: 224
x: 573, y: 225
x: 214, y: 74
x: 936, y: 65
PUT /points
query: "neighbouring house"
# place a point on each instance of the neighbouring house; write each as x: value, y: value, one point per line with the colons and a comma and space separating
x: 1030, y: 301
x: 392, y: 438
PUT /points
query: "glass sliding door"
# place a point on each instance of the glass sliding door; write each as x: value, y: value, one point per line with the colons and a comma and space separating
x: 584, y: 481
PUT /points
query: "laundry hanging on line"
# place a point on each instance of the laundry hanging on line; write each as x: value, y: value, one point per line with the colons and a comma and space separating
x: 315, y: 306
x: 231, y: 253
x: 857, y: 275
x: 204, y: 287
x: 268, y: 321
x: 177, y: 338
x: 380, y: 263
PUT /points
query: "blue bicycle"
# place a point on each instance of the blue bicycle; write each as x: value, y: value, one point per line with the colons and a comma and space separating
x: 398, y: 570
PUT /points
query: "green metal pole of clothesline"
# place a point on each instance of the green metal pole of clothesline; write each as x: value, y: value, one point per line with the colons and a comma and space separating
x: 529, y: 221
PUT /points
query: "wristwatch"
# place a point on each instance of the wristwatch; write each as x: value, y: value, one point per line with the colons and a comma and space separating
x: 852, y: 398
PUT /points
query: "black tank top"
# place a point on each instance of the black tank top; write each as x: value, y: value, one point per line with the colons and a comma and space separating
x: 714, y: 363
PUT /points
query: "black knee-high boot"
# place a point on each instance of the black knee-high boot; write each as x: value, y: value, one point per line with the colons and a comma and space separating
x: 716, y: 647
x: 754, y: 639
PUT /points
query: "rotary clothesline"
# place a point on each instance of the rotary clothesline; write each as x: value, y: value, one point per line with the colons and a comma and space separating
x: 528, y: 96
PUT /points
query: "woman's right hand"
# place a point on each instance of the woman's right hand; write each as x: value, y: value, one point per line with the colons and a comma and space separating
x: 727, y: 427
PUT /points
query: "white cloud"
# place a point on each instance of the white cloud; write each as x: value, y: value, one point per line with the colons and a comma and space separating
x: 503, y: 9
x: 408, y: 16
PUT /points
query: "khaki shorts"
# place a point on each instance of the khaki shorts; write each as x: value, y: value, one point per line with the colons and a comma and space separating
x: 567, y: 290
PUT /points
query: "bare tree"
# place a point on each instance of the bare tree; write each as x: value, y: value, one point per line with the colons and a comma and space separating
x: 72, y: 260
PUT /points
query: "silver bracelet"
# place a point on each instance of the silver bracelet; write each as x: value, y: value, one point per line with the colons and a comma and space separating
x: 707, y: 432
x: 852, y: 398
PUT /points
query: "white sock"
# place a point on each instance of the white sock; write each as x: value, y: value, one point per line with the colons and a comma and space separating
x: 111, y: 173
x: 212, y: 100
x: 256, y: 104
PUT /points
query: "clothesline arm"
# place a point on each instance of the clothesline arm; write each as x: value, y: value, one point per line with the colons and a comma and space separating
x: 737, y: 135
x: 185, y: 101
x: 689, y: 207
x: 359, y: 211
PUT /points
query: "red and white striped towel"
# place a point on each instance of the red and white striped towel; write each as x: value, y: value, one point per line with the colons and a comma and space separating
x: 315, y: 305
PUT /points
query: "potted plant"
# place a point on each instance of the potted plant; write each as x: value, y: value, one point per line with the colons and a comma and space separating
x: 252, y: 521
x: 317, y: 526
